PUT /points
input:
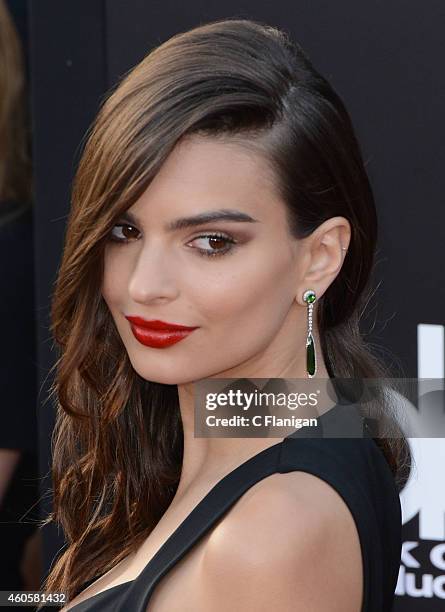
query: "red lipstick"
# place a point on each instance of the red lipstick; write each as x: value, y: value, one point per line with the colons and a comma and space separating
x: 158, y: 334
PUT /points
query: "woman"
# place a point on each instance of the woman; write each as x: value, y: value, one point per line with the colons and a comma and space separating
x: 221, y: 189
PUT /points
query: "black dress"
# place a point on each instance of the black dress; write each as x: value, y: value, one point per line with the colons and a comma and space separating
x: 355, y: 467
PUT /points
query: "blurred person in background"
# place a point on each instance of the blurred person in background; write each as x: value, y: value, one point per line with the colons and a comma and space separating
x: 19, y: 568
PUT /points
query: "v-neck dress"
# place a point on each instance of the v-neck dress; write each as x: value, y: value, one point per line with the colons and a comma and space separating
x: 354, y: 466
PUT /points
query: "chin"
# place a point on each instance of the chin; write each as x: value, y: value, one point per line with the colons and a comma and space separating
x: 172, y: 376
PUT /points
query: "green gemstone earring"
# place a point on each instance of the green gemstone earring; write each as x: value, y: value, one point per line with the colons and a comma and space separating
x: 311, y: 361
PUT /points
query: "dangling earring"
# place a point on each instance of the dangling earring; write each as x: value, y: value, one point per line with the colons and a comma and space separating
x: 311, y: 360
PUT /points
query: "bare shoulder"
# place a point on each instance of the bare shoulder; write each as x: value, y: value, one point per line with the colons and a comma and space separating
x: 289, y: 543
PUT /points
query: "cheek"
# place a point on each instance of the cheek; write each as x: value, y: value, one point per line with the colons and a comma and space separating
x: 114, y: 280
x: 251, y: 294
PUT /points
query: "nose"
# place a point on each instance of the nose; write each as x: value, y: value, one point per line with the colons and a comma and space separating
x: 152, y: 277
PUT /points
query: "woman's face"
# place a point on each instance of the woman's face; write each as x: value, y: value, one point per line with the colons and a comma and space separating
x: 238, y: 288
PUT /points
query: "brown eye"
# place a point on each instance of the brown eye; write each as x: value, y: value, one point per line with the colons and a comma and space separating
x: 122, y: 232
x: 219, y: 244
x: 129, y: 231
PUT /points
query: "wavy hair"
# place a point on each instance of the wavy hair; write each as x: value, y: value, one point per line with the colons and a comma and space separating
x: 118, y: 440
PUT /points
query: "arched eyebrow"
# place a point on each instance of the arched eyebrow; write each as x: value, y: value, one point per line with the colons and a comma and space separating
x: 202, y: 218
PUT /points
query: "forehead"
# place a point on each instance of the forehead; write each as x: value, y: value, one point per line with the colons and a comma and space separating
x: 204, y: 173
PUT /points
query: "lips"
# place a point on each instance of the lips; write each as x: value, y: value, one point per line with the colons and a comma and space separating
x: 158, y: 334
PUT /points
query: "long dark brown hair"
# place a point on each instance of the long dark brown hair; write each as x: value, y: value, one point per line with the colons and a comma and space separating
x: 118, y: 440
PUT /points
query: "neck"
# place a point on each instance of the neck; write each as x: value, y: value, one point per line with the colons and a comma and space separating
x: 209, y: 459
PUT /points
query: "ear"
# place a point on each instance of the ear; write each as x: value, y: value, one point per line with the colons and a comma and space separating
x: 326, y: 249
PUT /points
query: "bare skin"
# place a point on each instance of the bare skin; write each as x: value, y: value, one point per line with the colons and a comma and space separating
x: 248, y: 303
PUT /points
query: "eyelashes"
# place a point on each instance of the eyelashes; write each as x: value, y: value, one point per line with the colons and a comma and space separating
x: 113, y: 238
x: 229, y: 244
x: 216, y: 237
